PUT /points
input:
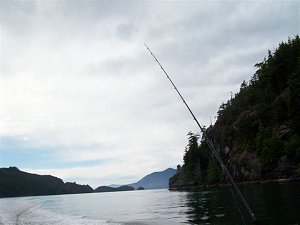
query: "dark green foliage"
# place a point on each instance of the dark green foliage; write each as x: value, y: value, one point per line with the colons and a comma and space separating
x: 262, y: 135
x: 294, y: 97
x: 292, y: 148
x: 213, y: 171
x: 192, y: 152
x: 204, y: 155
x: 260, y: 123
x: 14, y: 183
x: 197, y: 161
x: 262, y: 116
x: 271, y: 151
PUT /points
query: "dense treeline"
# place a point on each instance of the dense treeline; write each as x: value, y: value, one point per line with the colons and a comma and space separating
x: 14, y: 183
x: 111, y: 189
x: 257, y: 131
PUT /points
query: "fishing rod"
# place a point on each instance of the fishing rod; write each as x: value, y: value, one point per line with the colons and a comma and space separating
x: 210, y: 144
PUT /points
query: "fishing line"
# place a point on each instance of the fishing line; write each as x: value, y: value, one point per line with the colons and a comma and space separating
x: 209, y: 143
x: 235, y: 200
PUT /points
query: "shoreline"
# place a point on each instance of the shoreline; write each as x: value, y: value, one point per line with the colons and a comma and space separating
x: 242, y: 183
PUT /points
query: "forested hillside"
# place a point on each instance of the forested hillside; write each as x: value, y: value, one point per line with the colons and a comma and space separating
x: 257, y: 132
x: 14, y: 183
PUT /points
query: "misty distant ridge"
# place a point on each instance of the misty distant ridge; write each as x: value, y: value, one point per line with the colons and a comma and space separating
x: 14, y: 183
x: 156, y: 180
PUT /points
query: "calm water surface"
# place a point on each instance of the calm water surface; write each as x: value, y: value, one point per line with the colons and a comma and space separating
x: 273, y: 204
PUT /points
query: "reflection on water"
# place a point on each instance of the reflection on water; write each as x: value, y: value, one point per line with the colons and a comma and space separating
x: 276, y: 204
x: 272, y: 204
x: 212, y: 207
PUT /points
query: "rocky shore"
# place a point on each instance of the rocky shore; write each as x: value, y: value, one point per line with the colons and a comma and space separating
x: 190, y: 187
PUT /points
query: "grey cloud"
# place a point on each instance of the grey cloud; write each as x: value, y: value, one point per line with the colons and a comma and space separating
x: 100, y: 86
x: 204, y: 36
x: 126, y: 31
x: 17, y: 15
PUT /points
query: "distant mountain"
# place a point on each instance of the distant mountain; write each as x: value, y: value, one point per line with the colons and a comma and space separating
x: 111, y: 189
x: 15, y: 183
x: 156, y: 180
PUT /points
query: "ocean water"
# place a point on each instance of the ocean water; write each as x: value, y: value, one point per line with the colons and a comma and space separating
x: 273, y: 204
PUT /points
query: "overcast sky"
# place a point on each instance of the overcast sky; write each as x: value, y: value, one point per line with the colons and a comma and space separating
x: 81, y: 98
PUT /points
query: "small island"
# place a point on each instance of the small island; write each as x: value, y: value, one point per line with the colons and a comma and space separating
x: 111, y: 189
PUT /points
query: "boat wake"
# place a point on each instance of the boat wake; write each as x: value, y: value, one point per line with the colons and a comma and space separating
x: 30, y: 214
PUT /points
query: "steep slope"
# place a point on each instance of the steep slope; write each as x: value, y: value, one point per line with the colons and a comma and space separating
x: 156, y: 180
x: 257, y: 131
